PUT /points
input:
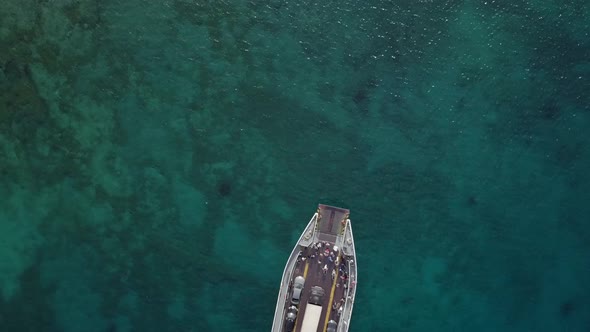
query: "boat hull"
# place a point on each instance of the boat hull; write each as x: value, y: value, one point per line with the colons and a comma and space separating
x: 325, y: 257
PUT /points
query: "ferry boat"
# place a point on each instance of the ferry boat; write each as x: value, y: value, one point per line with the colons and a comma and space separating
x: 319, y: 280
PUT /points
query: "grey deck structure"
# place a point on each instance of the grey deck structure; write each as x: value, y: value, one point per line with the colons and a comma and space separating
x: 325, y: 256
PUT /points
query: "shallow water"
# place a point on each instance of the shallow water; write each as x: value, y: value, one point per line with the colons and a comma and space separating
x: 158, y: 160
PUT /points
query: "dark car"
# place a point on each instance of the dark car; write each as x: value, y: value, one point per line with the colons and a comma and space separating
x: 331, y: 326
x: 290, y: 319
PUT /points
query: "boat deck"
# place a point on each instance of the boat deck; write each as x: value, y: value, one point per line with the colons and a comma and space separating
x: 317, y: 263
x: 312, y: 269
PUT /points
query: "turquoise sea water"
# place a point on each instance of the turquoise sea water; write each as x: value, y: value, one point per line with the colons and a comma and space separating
x: 158, y: 160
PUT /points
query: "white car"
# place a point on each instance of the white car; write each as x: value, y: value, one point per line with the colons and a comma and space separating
x: 297, y: 289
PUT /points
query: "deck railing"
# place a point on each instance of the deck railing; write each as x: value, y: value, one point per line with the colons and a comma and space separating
x: 287, y: 275
x: 351, y: 286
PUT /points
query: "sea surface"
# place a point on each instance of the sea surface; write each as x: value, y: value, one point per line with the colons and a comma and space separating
x: 159, y: 159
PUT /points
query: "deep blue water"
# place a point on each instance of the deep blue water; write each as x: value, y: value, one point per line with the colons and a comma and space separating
x: 158, y: 160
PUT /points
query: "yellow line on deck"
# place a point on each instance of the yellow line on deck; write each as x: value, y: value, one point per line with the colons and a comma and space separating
x: 331, y: 299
